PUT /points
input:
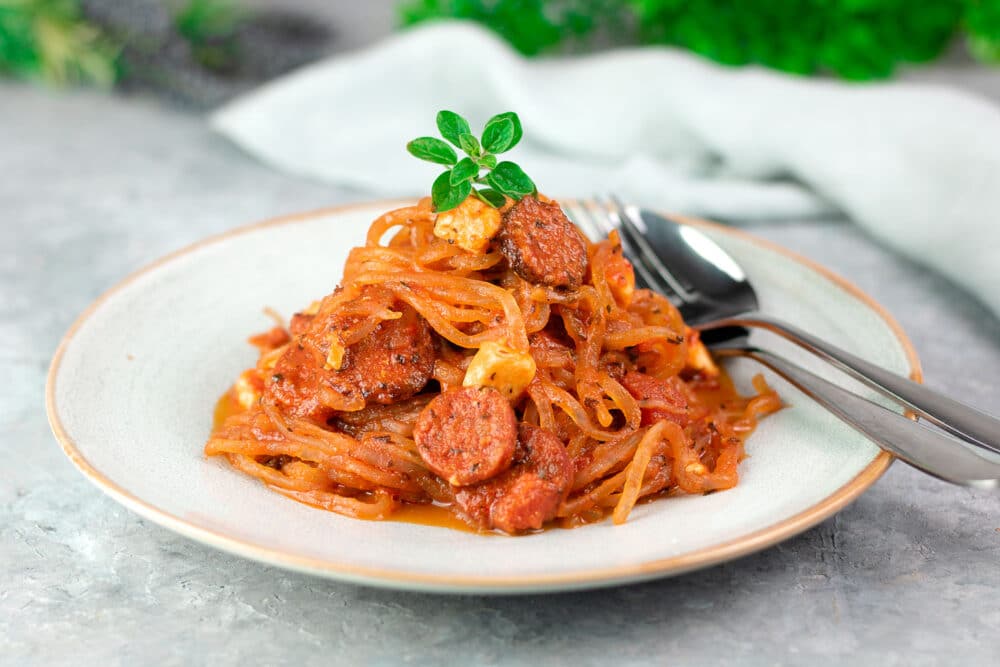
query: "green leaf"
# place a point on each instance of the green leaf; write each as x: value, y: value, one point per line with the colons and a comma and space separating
x: 488, y: 161
x: 498, y: 135
x: 452, y: 127
x: 469, y: 144
x: 465, y: 170
x: 510, y: 115
x: 509, y: 179
x: 432, y: 150
x: 200, y: 21
x: 447, y: 196
x: 491, y: 197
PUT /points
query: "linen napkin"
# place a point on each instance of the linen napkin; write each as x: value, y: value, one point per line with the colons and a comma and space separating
x: 917, y: 165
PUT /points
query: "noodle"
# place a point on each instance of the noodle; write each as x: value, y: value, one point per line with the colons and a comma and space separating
x: 613, y: 380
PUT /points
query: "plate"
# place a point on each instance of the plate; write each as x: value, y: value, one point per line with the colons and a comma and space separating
x: 132, y: 387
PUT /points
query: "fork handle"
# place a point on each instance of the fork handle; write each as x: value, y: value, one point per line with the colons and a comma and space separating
x: 957, y: 418
x: 924, y: 448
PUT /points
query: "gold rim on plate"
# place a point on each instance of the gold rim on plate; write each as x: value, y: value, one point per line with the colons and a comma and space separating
x: 395, y: 578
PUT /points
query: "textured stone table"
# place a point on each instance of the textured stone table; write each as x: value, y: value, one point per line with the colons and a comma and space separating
x: 93, y: 187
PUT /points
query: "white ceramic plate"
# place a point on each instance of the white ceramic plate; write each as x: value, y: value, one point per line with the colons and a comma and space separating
x: 132, y: 387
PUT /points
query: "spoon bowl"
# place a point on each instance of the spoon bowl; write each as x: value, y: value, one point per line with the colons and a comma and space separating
x: 714, y: 295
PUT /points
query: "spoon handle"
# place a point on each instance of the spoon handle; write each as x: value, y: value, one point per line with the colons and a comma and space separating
x: 924, y: 448
x: 957, y: 418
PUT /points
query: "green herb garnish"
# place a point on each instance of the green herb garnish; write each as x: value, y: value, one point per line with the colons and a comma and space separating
x: 453, y: 186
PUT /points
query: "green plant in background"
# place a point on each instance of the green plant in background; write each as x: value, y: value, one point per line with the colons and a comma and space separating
x: 210, y: 27
x: 531, y: 26
x: 982, y: 20
x: 52, y: 40
x: 855, y: 39
x: 55, y: 40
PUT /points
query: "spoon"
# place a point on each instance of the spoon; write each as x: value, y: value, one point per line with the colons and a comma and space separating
x: 714, y: 293
x: 929, y: 450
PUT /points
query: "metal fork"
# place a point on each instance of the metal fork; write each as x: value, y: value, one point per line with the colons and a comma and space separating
x: 960, y: 462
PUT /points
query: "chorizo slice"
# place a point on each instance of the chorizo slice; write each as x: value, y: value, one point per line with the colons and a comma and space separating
x: 529, y: 493
x: 542, y: 245
x: 295, y: 384
x: 467, y: 435
x: 390, y: 364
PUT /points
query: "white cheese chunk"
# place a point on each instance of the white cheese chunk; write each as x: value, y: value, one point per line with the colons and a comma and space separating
x: 472, y: 225
x: 496, y: 365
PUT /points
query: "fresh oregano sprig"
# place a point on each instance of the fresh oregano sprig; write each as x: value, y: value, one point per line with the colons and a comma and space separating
x: 479, y: 167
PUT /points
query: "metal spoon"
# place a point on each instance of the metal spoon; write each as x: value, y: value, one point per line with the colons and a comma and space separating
x: 927, y: 449
x: 715, y: 293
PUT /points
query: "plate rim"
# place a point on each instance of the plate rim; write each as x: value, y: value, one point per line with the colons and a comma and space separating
x: 404, y: 579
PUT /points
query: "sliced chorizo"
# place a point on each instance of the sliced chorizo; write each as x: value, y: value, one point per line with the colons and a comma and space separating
x: 393, y: 363
x: 529, y: 493
x: 542, y: 245
x: 467, y: 435
x: 296, y: 382
x: 390, y: 364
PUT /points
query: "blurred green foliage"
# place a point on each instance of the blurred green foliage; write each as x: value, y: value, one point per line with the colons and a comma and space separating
x: 55, y: 41
x: 982, y: 20
x: 209, y: 26
x: 50, y: 39
x: 854, y: 39
x: 531, y: 26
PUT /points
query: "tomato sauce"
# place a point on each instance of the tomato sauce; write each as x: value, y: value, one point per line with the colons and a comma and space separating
x: 712, y: 393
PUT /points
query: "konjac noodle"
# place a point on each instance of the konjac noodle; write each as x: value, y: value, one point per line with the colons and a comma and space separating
x: 483, y: 357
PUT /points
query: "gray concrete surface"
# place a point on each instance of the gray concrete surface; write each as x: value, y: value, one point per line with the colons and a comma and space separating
x: 93, y: 187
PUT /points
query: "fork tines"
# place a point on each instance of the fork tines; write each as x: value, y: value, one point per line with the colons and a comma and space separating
x: 597, y: 217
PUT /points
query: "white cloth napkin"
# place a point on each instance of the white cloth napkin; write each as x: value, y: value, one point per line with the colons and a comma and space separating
x: 918, y: 166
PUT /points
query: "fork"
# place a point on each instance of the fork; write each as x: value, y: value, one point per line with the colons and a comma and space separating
x: 927, y: 449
